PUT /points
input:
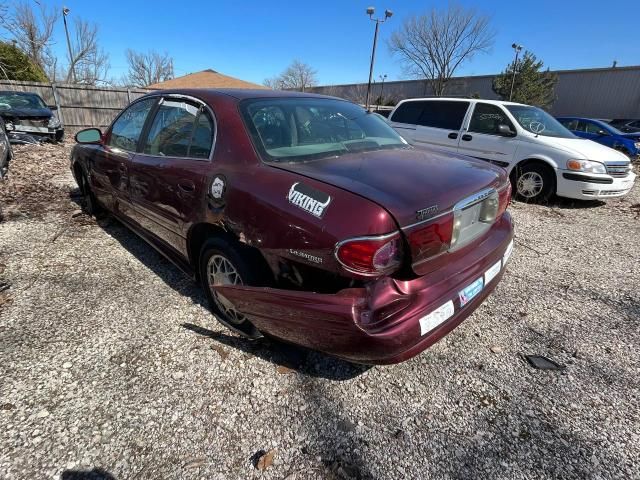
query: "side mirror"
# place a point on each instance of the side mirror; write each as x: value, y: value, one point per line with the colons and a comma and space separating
x: 505, y: 131
x: 52, y: 107
x: 89, y: 136
x: 603, y: 133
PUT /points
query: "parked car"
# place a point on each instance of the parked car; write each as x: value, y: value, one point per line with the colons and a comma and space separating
x: 604, y: 133
x: 6, y: 154
x: 541, y: 156
x: 304, y: 217
x: 626, y: 125
x: 27, y: 118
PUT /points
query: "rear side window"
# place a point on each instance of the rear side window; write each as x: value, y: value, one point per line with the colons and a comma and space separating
x: 443, y: 114
x: 126, y: 130
x: 408, y: 112
x: 570, y: 124
x: 487, y: 118
x: 179, y: 129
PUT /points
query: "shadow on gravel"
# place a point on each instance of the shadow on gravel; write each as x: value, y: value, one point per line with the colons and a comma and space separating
x: 159, y: 265
x: 302, y: 360
x: 567, y: 203
x: 95, y: 474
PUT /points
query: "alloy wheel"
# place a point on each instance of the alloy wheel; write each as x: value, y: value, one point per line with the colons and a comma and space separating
x: 530, y: 184
x: 220, y: 271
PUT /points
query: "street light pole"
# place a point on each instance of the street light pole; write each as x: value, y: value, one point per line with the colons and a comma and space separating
x: 65, y: 12
x: 517, y: 48
x: 382, y: 77
x: 370, y: 12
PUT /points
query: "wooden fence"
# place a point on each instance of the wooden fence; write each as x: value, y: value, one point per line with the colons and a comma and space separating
x: 80, y: 106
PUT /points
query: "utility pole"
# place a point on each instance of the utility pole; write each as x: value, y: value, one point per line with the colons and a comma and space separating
x: 382, y: 77
x: 65, y: 12
x: 370, y: 12
x: 517, y: 49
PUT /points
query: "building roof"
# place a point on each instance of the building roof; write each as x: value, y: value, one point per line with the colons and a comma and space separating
x: 205, y: 79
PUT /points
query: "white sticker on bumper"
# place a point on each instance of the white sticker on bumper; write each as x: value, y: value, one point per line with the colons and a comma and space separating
x: 507, y: 253
x: 492, y: 272
x: 435, y: 318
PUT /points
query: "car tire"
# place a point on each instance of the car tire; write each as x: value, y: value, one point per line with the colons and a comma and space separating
x: 534, y: 183
x: 235, y: 264
x: 89, y: 202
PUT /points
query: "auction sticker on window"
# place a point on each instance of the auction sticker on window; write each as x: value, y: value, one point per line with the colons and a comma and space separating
x: 468, y: 293
x: 435, y: 318
x: 492, y: 272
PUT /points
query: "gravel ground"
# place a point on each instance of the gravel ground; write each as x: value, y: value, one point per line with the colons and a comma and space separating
x: 111, y: 366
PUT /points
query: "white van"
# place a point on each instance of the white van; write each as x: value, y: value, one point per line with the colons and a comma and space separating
x: 541, y: 155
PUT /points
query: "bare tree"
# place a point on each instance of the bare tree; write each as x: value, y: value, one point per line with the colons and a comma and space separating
x: 148, y: 68
x: 297, y: 76
x: 32, y: 33
x: 434, y: 45
x: 89, y: 62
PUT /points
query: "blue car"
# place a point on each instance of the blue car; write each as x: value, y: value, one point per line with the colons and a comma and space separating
x: 602, y: 132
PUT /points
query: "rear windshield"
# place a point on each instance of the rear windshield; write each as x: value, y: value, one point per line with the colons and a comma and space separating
x: 302, y: 129
x: 10, y: 100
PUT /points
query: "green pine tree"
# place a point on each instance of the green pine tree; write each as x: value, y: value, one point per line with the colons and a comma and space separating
x: 15, y: 65
x: 532, y: 86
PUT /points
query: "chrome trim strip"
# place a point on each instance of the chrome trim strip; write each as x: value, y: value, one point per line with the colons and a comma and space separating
x: 164, y: 95
x: 441, y: 214
x: 473, y: 199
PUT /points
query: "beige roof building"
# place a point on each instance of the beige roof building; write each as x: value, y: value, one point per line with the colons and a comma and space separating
x: 205, y: 79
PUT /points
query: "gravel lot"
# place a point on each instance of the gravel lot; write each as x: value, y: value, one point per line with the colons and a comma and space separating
x: 111, y: 366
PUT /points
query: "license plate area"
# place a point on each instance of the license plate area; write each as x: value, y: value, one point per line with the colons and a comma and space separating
x: 473, y: 217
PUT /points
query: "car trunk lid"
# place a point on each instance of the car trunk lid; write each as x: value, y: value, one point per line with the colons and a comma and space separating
x: 417, y: 187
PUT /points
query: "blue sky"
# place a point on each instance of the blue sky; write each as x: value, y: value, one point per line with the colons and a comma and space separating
x: 254, y: 40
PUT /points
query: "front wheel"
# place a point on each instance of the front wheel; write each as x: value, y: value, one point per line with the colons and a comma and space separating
x: 534, y: 183
x: 224, y: 263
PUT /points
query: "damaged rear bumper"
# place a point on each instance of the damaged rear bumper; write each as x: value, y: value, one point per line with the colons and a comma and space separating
x: 387, y: 321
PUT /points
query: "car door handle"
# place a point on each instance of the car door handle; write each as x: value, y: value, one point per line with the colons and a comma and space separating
x: 466, y: 137
x: 453, y: 135
x: 186, y: 186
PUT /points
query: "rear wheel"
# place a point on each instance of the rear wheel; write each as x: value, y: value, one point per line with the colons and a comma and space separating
x: 534, y: 182
x: 89, y: 203
x: 222, y: 262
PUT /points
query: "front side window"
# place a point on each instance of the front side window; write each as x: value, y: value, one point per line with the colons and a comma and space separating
x: 487, y: 118
x: 590, y: 127
x: 126, y: 130
x: 443, y: 114
x: 302, y: 129
x: 179, y: 129
x: 536, y: 120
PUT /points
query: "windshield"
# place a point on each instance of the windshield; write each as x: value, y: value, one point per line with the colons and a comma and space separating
x: 9, y: 100
x: 302, y: 129
x: 536, y: 120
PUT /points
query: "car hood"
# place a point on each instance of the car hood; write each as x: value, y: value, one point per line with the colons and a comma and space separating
x: 404, y: 181
x: 582, y: 148
x: 27, y: 112
x: 632, y: 136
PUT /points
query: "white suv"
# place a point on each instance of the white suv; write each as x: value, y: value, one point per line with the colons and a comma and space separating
x: 541, y: 155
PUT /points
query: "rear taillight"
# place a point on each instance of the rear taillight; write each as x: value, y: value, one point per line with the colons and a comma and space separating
x: 505, y: 199
x: 371, y: 256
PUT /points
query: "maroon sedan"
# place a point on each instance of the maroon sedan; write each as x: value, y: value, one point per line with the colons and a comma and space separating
x: 304, y: 217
